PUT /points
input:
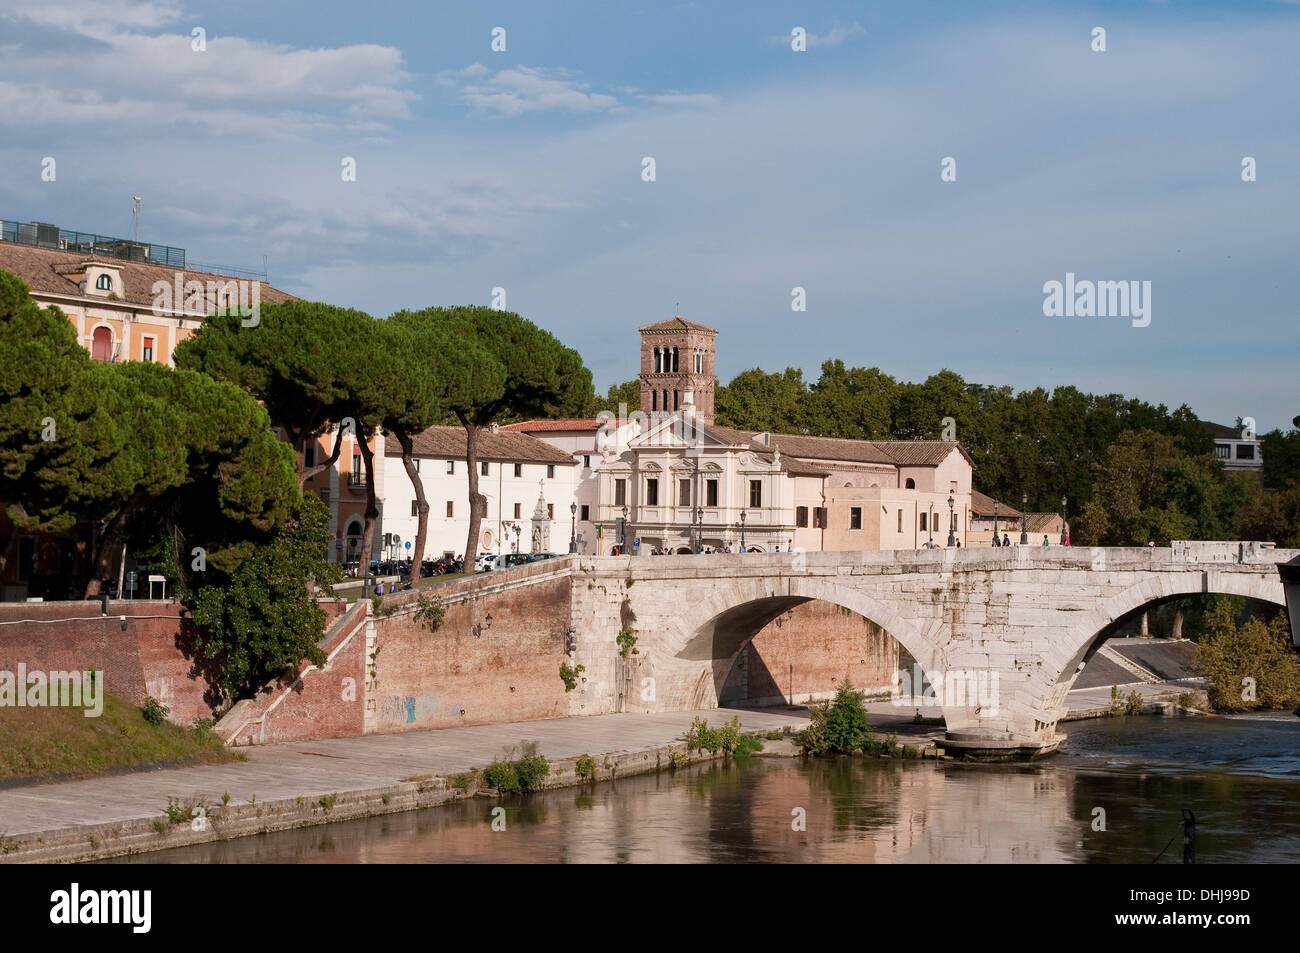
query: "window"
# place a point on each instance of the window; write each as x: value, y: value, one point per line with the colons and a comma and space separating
x: 585, y: 514
x: 357, y: 479
x: 923, y: 525
x: 1245, y: 451
x: 451, y: 466
x: 586, y: 461
x: 801, y: 516
x: 519, y: 469
x: 855, y: 517
x: 654, y: 400
x: 1223, y: 451
x: 550, y: 511
x: 819, y: 517
x: 309, y: 455
x: 147, y: 353
x: 620, y: 492
x: 451, y: 509
x: 710, y: 492
x: 652, y: 492
x: 516, y: 511
x: 104, y: 283
x: 699, y: 362
x: 483, y: 468
x: 415, y: 507
x: 911, y: 484
x: 900, y: 521
x: 550, y: 471
x: 683, y: 492
x: 755, y: 492
x: 677, y: 399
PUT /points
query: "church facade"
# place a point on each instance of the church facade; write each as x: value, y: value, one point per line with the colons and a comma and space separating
x: 666, y: 477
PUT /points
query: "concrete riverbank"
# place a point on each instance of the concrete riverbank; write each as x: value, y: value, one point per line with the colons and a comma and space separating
x: 300, y: 784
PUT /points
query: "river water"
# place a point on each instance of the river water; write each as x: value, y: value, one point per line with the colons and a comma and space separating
x: 1239, y: 775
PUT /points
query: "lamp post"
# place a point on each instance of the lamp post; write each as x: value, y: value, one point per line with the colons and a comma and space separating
x: 995, y: 522
x: 930, y: 527
x: 1024, y: 519
x: 1063, y: 501
x: 573, y: 527
x: 952, y: 521
x: 697, y: 518
x: 742, y: 531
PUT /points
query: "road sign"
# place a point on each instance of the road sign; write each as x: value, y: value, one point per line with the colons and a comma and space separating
x: 636, y: 541
x: 408, y: 544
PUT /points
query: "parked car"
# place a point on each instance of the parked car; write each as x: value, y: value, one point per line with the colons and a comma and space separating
x: 485, y: 562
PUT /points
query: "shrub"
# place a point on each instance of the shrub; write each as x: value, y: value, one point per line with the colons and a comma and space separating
x: 1133, y: 704
x: 502, y: 776
x: 518, y: 775
x: 775, y: 735
x: 1258, y: 650
x: 586, y: 767
x: 154, y: 711
x: 747, y: 745
x: 431, y: 612
x: 626, y: 640
x: 570, y: 675
x: 839, y: 726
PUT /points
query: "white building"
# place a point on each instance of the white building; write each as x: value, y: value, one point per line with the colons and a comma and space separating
x: 515, y: 472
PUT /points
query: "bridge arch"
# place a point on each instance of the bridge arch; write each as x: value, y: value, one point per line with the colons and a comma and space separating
x: 1097, y: 624
x: 732, y: 614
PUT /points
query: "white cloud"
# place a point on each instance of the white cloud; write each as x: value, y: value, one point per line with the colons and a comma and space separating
x: 136, y: 74
x: 835, y: 36
x: 522, y: 89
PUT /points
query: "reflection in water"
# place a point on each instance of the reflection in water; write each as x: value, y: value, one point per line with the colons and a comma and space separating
x: 1241, y: 776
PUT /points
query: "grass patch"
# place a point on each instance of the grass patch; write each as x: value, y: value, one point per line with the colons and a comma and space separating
x: 59, y: 743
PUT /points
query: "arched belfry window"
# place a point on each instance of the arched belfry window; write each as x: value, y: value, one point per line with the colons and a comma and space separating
x: 911, y: 484
x: 658, y: 361
x: 104, y: 283
x: 675, y: 368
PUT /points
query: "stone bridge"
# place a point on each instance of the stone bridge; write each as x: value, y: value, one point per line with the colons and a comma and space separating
x: 1000, y: 633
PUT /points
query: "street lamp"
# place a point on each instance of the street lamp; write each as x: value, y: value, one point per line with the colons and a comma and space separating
x: 1063, y: 519
x: 1024, y: 519
x: 952, y: 521
x: 573, y: 528
x: 622, y: 540
x: 742, y: 531
x: 697, y: 518
x: 995, y: 522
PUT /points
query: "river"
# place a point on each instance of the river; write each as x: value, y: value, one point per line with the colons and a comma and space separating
x: 1239, y: 775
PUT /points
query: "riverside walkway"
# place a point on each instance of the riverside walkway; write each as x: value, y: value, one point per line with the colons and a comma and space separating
x: 331, y: 766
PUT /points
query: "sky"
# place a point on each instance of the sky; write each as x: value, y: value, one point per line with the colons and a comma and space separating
x: 774, y: 169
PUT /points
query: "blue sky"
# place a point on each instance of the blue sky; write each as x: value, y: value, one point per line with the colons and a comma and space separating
x: 774, y: 169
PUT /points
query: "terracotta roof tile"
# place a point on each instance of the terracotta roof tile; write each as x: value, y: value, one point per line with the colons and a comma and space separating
x: 448, y: 443
x: 50, y: 271
x: 547, y: 426
x: 981, y: 505
x: 678, y: 323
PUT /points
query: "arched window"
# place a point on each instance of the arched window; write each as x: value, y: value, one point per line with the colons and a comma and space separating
x: 675, y: 368
x: 654, y: 400
x: 911, y: 484
x: 658, y: 361
x: 101, y: 347
x: 104, y: 283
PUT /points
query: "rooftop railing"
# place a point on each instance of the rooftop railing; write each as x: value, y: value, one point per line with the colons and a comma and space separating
x: 40, y: 235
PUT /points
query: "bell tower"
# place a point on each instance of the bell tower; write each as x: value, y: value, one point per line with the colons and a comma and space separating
x: 676, y: 357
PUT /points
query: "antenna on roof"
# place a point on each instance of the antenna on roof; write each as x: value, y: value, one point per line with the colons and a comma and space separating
x: 135, y: 211
x: 677, y: 309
